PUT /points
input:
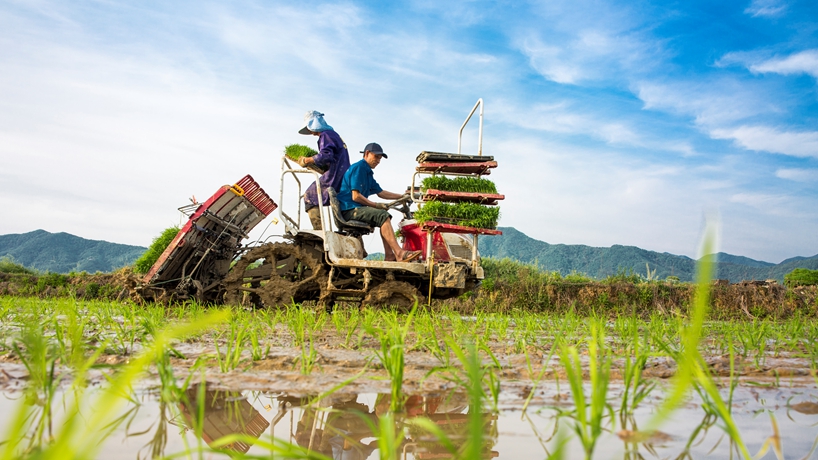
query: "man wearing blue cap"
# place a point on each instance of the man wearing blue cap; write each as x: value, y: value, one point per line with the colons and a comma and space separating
x: 332, y: 157
x: 356, y: 188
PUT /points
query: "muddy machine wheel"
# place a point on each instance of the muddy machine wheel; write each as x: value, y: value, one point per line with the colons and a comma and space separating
x: 399, y: 294
x: 273, y: 275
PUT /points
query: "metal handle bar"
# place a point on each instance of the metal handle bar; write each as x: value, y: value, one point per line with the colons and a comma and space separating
x: 479, y: 130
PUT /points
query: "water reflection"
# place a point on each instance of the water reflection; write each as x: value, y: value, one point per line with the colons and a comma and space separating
x: 350, y: 426
x: 222, y: 413
x: 341, y: 426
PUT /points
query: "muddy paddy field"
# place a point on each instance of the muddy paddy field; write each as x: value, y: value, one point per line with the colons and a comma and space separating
x: 519, y: 370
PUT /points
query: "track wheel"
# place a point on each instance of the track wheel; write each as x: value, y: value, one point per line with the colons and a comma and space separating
x: 273, y: 275
x: 399, y: 294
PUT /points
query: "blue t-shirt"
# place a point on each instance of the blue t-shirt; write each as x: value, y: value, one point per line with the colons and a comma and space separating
x: 358, y: 177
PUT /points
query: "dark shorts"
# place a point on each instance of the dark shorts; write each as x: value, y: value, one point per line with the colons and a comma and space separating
x: 372, y: 216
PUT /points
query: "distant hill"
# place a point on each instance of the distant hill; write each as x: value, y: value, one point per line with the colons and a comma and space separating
x: 63, y: 252
x: 603, y: 262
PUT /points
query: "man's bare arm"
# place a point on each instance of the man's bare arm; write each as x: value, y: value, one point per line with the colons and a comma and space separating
x: 389, y: 195
x: 360, y: 199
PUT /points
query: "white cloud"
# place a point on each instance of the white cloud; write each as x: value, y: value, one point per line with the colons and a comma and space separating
x: 566, y: 44
x: 802, y: 62
x: 766, y: 202
x: 585, y: 55
x: 567, y: 117
x: 765, y: 138
x: 769, y: 8
x: 797, y: 174
x: 711, y: 102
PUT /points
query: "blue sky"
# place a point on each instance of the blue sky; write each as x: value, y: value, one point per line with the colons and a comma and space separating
x: 612, y: 122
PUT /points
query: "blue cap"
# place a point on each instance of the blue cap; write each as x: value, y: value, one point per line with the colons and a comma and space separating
x: 374, y: 148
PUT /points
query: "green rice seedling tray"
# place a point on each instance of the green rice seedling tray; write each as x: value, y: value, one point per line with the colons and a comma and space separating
x: 486, y: 199
x: 461, y: 214
x: 459, y: 184
x: 296, y: 151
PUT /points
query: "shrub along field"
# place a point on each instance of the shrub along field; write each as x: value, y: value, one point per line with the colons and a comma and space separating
x: 74, y: 347
x: 511, y: 287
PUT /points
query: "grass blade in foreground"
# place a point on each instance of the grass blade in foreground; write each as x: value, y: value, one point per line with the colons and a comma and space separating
x: 692, y: 368
x: 83, y: 433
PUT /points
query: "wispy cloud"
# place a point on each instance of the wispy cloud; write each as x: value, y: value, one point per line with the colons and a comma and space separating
x: 764, y: 138
x: 798, y: 174
x: 605, y: 47
x: 802, y: 62
x: 769, y: 8
x: 711, y: 102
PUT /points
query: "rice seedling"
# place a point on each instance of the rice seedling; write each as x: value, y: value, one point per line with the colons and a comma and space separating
x: 588, y: 415
x: 536, y: 379
x: 234, y: 345
x: 296, y: 151
x: 465, y: 214
x: 459, y: 184
x: 391, y: 354
x: 474, y: 371
x: 347, y: 322
x: 257, y: 352
x: 80, y: 434
x: 636, y: 389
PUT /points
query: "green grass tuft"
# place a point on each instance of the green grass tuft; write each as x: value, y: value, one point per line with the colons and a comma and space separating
x: 144, y: 263
x: 801, y: 277
x: 296, y: 151
x: 465, y: 214
x: 459, y: 184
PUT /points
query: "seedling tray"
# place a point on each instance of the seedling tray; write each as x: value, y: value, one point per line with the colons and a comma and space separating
x: 488, y: 199
x: 480, y: 168
x: 425, y: 157
x: 434, y: 226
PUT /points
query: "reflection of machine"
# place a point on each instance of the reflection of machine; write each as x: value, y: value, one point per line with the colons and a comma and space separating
x: 343, y: 430
x: 225, y: 412
x: 323, y: 265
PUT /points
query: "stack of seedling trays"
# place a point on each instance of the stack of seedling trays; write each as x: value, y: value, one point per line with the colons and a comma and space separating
x: 463, y: 203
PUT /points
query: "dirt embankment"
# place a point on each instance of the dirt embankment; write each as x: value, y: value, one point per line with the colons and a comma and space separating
x: 102, y: 286
x: 745, y: 300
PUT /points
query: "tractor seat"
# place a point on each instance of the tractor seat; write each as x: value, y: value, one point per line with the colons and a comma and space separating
x: 350, y: 227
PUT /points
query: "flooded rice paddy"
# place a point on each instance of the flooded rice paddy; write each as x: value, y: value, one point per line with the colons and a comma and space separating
x: 118, y: 380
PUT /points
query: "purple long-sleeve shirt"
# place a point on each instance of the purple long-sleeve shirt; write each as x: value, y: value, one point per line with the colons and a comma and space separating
x: 334, y: 157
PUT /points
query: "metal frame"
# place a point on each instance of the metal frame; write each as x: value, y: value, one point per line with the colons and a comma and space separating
x: 479, y: 130
x: 419, y: 201
x: 291, y: 225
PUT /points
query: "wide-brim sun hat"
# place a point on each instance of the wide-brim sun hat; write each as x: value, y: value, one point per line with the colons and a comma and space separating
x: 314, y: 123
x: 374, y: 148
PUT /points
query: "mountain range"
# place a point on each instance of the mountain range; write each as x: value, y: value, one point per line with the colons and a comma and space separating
x: 603, y: 262
x: 63, y: 253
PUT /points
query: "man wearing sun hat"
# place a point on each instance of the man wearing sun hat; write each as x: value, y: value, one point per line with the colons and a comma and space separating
x: 332, y: 157
x: 356, y: 188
